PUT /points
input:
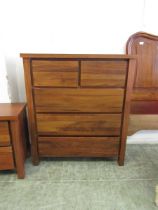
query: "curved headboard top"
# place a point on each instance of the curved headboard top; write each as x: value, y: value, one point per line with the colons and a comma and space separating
x: 138, y: 35
x: 145, y: 93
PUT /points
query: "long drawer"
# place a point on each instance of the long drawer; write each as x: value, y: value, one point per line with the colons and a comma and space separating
x: 6, y: 158
x: 4, y: 134
x: 79, y: 124
x: 78, y: 100
x: 78, y: 146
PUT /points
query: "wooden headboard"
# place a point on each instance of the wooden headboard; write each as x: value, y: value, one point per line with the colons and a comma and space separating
x: 145, y: 93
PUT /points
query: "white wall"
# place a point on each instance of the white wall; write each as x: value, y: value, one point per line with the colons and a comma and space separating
x: 4, y: 94
x: 68, y: 26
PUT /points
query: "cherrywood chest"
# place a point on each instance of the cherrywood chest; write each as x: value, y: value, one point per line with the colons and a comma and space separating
x: 78, y: 105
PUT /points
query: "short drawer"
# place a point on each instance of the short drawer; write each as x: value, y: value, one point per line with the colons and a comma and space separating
x: 6, y: 158
x: 78, y: 146
x: 4, y: 133
x: 79, y: 124
x: 78, y: 100
x: 103, y: 73
x: 55, y: 73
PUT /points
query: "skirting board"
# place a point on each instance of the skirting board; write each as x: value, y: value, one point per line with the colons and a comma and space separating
x: 144, y: 137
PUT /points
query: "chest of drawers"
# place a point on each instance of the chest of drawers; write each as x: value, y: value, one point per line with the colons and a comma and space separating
x: 78, y: 105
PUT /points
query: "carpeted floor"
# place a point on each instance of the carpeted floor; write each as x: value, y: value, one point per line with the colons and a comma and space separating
x: 85, y: 184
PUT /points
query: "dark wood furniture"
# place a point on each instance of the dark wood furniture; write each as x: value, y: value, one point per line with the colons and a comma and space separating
x: 145, y: 92
x: 13, y: 137
x: 78, y: 105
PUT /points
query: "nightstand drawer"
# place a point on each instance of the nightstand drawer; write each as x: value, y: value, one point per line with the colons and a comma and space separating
x: 6, y: 158
x: 103, y: 73
x: 79, y: 100
x: 79, y: 124
x: 4, y: 133
x: 78, y: 146
x: 55, y: 73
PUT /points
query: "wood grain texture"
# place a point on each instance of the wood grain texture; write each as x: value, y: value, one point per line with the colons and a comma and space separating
x: 139, y: 122
x: 78, y: 146
x: 4, y: 133
x: 145, y: 46
x: 11, y: 111
x: 144, y: 94
x: 110, y: 73
x: 78, y: 100
x: 76, y: 56
x: 6, y: 158
x: 14, y: 156
x: 19, y: 146
x: 55, y: 73
x: 85, y: 110
x: 127, y: 106
x: 31, y: 114
x: 79, y: 124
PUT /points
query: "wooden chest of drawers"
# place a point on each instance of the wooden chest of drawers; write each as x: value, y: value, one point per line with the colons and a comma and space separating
x: 78, y: 104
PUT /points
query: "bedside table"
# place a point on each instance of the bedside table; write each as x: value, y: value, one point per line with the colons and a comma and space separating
x: 14, y: 141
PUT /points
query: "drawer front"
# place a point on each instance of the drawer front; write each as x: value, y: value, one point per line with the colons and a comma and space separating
x: 79, y: 124
x: 78, y: 146
x: 78, y: 100
x: 4, y: 134
x: 55, y: 73
x: 103, y: 73
x: 6, y: 158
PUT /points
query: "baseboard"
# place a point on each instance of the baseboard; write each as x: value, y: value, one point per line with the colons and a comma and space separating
x: 144, y: 137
